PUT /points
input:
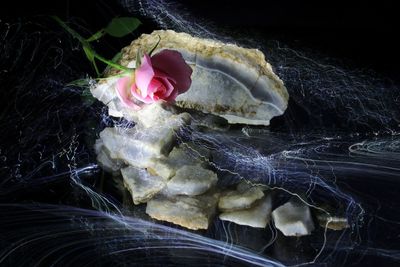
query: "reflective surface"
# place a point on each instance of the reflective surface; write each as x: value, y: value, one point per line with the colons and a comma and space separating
x: 338, y: 144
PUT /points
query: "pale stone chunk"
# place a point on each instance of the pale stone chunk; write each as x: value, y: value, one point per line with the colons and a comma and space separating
x: 191, y: 180
x: 233, y: 82
x: 104, y: 159
x: 293, y: 219
x: 242, y: 198
x: 105, y: 92
x: 107, y: 163
x: 138, y: 148
x: 166, y: 167
x: 142, y: 185
x: 190, y: 212
x: 332, y: 222
x: 133, y: 148
x: 257, y: 216
x: 155, y: 114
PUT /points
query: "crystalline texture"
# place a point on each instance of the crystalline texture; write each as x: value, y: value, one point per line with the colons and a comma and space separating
x: 293, y: 219
x: 229, y: 81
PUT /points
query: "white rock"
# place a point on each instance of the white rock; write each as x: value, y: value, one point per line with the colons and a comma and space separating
x: 293, y: 219
x: 191, y: 180
x: 104, y: 160
x: 190, y: 212
x: 166, y: 167
x: 156, y: 114
x: 242, y: 198
x: 138, y: 147
x: 142, y: 185
x: 257, y: 216
x: 230, y: 81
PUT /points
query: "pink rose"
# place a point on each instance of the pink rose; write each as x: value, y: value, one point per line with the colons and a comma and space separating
x: 160, y: 77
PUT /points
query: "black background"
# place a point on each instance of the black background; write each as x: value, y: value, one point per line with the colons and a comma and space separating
x: 364, y: 32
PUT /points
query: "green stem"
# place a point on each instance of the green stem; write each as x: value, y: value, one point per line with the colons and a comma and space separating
x: 96, y: 36
x: 110, y: 63
x: 86, y: 43
x: 71, y: 31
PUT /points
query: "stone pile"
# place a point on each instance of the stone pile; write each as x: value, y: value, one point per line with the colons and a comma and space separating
x: 176, y: 184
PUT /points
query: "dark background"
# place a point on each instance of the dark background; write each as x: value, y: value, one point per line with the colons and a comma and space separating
x: 361, y: 32
x: 364, y: 32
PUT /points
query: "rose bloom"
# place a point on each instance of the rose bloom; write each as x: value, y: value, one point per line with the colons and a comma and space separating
x: 163, y: 76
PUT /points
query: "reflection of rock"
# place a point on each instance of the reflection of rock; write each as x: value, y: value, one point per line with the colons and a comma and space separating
x: 241, y: 198
x: 230, y: 81
x: 257, y: 216
x: 141, y: 184
x: 191, y: 180
x: 293, y: 219
x: 190, y: 212
x: 332, y: 222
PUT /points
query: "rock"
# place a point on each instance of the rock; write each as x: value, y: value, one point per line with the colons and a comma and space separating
x: 191, y: 212
x: 138, y: 147
x: 229, y: 81
x: 105, y: 92
x: 257, y: 216
x: 293, y: 219
x: 142, y: 185
x: 332, y: 222
x: 185, y: 154
x: 191, y: 180
x: 104, y: 160
x: 242, y: 198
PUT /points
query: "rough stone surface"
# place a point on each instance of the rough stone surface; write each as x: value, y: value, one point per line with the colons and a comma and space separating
x: 191, y: 212
x: 233, y: 82
x: 104, y: 160
x: 142, y: 185
x: 185, y: 154
x: 293, y: 219
x: 257, y: 216
x: 138, y: 147
x: 241, y: 198
x: 191, y: 180
x: 332, y: 222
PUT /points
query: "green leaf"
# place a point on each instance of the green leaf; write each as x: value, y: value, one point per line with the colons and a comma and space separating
x: 122, y: 26
x: 96, y: 36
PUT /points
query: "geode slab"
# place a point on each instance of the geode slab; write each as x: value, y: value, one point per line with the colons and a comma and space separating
x: 233, y: 82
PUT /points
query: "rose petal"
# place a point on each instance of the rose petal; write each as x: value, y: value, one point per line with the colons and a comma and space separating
x: 172, y: 96
x: 168, y: 86
x: 139, y: 97
x: 168, y: 82
x: 154, y: 86
x: 123, y: 93
x: 172, y: 63
x: 144, y: 74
